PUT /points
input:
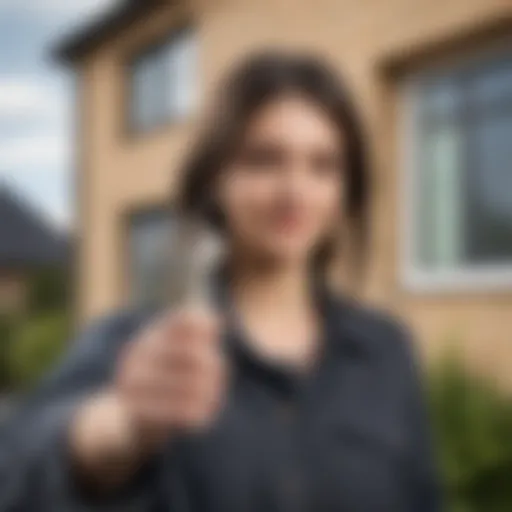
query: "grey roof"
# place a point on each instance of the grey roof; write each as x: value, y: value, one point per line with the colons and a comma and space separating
x: 90, y: 35
x: 26, y: 240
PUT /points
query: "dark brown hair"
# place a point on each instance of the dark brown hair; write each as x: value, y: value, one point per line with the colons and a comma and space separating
x: 261, y: 78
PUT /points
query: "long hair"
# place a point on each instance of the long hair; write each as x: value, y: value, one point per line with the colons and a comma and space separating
x: 257, y: 80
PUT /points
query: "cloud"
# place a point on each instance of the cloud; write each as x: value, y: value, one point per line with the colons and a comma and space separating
x: 26, y: 98
x: 34, y: 151
x: 36, y: 147
x: 57, y: 6
x: 45, y: 191
x: 35, y: 144
x: 38, y: 167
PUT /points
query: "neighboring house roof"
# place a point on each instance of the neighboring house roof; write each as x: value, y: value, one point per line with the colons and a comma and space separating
x: 89, y: 36
x: 26, y: 240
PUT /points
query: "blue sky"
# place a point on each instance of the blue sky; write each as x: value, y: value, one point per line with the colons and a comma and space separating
x: 36, y: 101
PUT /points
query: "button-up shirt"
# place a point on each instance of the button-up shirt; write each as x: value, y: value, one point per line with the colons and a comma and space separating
x: 349, y: 436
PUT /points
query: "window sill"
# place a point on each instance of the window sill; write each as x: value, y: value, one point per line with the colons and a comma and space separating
x: 496, y: 279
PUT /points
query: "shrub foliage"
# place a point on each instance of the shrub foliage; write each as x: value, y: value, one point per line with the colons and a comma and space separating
x: 472, y: 423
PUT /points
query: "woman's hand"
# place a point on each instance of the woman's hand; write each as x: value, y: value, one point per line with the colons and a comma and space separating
x: 169, y: 380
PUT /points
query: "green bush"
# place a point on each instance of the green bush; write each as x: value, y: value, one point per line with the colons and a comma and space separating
x: 6, y: 331
x: 473, y: 428
x: 35, y: 346
x: 49, y: 290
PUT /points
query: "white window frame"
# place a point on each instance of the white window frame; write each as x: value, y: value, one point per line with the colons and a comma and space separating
x: 466, y: 278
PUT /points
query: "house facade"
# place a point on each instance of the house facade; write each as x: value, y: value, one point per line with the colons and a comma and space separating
x: 434, y: 82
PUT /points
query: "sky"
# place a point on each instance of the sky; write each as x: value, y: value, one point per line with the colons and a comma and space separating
x: 36, y: 102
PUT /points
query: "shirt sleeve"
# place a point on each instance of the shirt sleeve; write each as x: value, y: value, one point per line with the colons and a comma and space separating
x: 35, y: 466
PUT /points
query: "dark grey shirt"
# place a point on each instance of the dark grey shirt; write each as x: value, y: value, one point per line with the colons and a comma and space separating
x: 349, y: 437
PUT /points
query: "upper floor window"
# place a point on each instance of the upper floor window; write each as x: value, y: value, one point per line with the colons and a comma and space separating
x: 164, y: 82
x: 459, y: 174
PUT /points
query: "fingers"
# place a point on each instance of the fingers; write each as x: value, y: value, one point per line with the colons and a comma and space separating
x: 197, y: 377
x: 185, y: 351
x: 178, y: 409
x: 174, y: 374
x: 189, y: 399
x: 190, y: 324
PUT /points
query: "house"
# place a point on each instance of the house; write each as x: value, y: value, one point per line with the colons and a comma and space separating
x: 434, y: 79
x: 27, y: 245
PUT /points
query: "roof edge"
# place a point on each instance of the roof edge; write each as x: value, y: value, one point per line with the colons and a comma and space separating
x: 88, y: 37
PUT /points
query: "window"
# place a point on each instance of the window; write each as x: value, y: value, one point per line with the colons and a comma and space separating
x: 459, y: 174
x: 163, y: 82
x: 149, y: 238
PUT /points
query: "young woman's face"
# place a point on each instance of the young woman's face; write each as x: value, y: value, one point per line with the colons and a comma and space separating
x: 282, y: 194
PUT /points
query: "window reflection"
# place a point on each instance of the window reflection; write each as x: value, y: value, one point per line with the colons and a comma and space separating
x: 463, y: 168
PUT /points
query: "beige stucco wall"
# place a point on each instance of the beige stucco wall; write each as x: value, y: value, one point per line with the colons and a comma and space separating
x: 365, y: 38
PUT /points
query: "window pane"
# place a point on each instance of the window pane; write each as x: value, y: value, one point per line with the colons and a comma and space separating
x: 495, y: 84
x: 182, y: 64
x: 463, y: 172
x: 490, y: 200
x: 441, y: 97
x: 164, y: 82
x: 439, y: 234
x: 146, y: 106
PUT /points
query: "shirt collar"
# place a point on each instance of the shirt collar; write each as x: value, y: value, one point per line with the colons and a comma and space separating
x: 342, y: 333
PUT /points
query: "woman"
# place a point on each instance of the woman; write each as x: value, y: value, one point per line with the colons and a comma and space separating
x: 306, y: 402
